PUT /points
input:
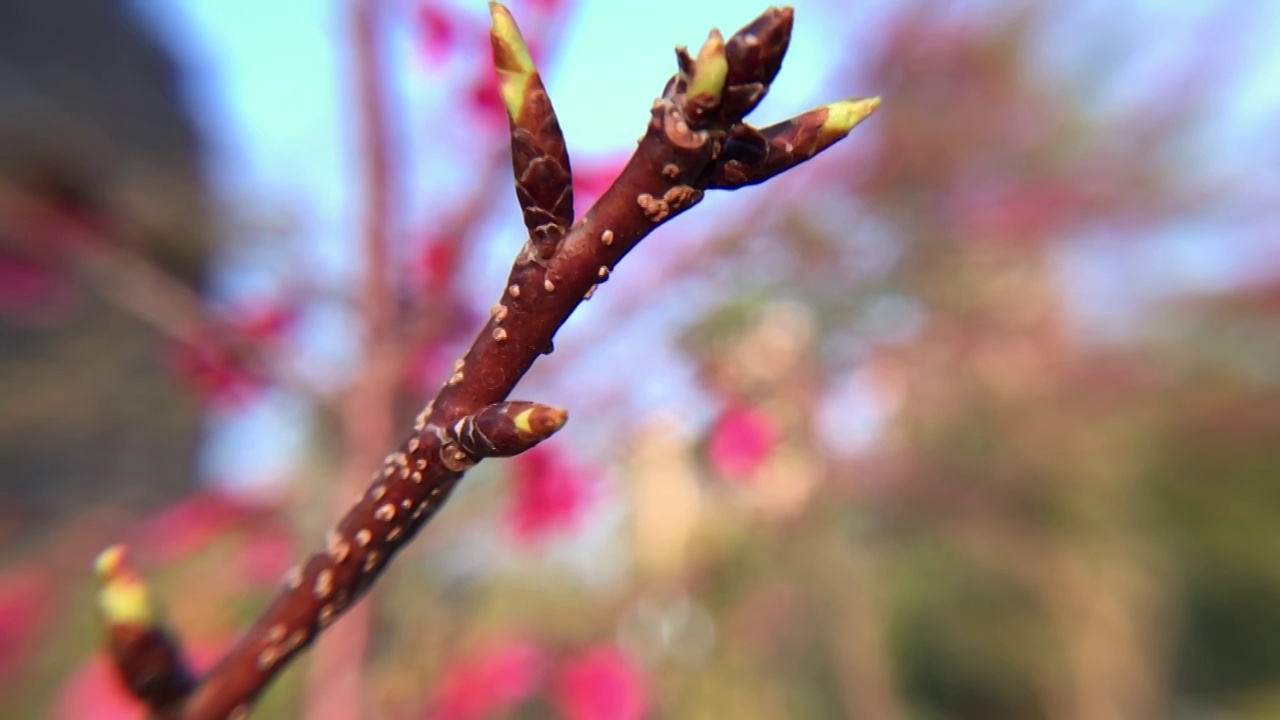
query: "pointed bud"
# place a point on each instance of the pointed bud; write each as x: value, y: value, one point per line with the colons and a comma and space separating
x: 755, y: 55
x: 539, y: 422
x: 844, y: 116
x: 539, y: 159
x: 511, y: 58
x: 709, y: 70
x: 507, y: 428
x: 751, y: 156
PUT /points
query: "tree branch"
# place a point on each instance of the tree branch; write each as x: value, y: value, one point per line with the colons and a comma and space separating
x: 130, y: 282
x: 684, y: 151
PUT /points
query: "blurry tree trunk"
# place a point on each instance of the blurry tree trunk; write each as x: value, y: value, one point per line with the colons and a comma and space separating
x: 367, y: 414
x: 862, y: 657
x: 333, y: 684
x: 1113, y: 621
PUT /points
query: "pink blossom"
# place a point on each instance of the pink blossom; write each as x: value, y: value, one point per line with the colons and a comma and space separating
x: 427, y: 364
x: 590, y: 180
x: 484, y: 100
x: 437, y: 258
x: 263, y: 322
x: 549, y: 494
x: 212, y: 362
x: 494, y: 679
x: 189, y: 525
x: 209, y: 368
x: 438, y: 32
x: 28, y: 290
x: 741, y: 439
x: 26, y: 597
x: 95, y: 692
x: 266, y: 554
x: 548, y: 7
x: 600, y: 684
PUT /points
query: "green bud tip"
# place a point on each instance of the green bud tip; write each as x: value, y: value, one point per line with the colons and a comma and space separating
x: 540, y: 421
x: 511, y: 58
x: 109, y: 563
x: 843, y: 116
x: 710, y: 69
x: 122, y: 595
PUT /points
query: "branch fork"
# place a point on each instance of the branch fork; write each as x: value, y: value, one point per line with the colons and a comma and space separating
x: 696, y: 140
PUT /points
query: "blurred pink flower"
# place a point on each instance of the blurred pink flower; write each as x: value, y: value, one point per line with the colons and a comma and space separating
x: 263, y: 322
x: 1022, y: 214
x: 95, y: 692
x: 494, y: 679
x: 427, y: 363
x: 741, y: 439
x: 438, y: 32
x: 435, y: 265
x: 26, y: 604
x: 590, y: 180
x: 187, y: 526
x: 548, y: 7
x: 210, y: 369
x: 548, y: 494
x: 29, y: 290
x: 485, y: 102
x: 600, y: 684
x: 266, y: 554
x: 213, y: 362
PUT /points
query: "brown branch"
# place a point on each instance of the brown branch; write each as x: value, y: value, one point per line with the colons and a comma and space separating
x: 681, y: 154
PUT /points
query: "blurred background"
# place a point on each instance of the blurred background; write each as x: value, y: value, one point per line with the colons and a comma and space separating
x: 976, y: 416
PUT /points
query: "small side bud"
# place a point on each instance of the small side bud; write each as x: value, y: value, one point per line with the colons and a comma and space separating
x: 753, y: 156
x: 507, y: 428
x: 146, y: 658
x: 123, y: 598
x: 709, y: 71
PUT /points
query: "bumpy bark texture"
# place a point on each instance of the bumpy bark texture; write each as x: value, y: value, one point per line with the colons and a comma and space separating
x: 696, y: 139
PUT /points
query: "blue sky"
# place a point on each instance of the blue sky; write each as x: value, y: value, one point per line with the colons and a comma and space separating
x: 269, y: 87
x: 270, y: 80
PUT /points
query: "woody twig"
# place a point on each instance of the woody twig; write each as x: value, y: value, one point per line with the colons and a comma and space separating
x: 696, y: 140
